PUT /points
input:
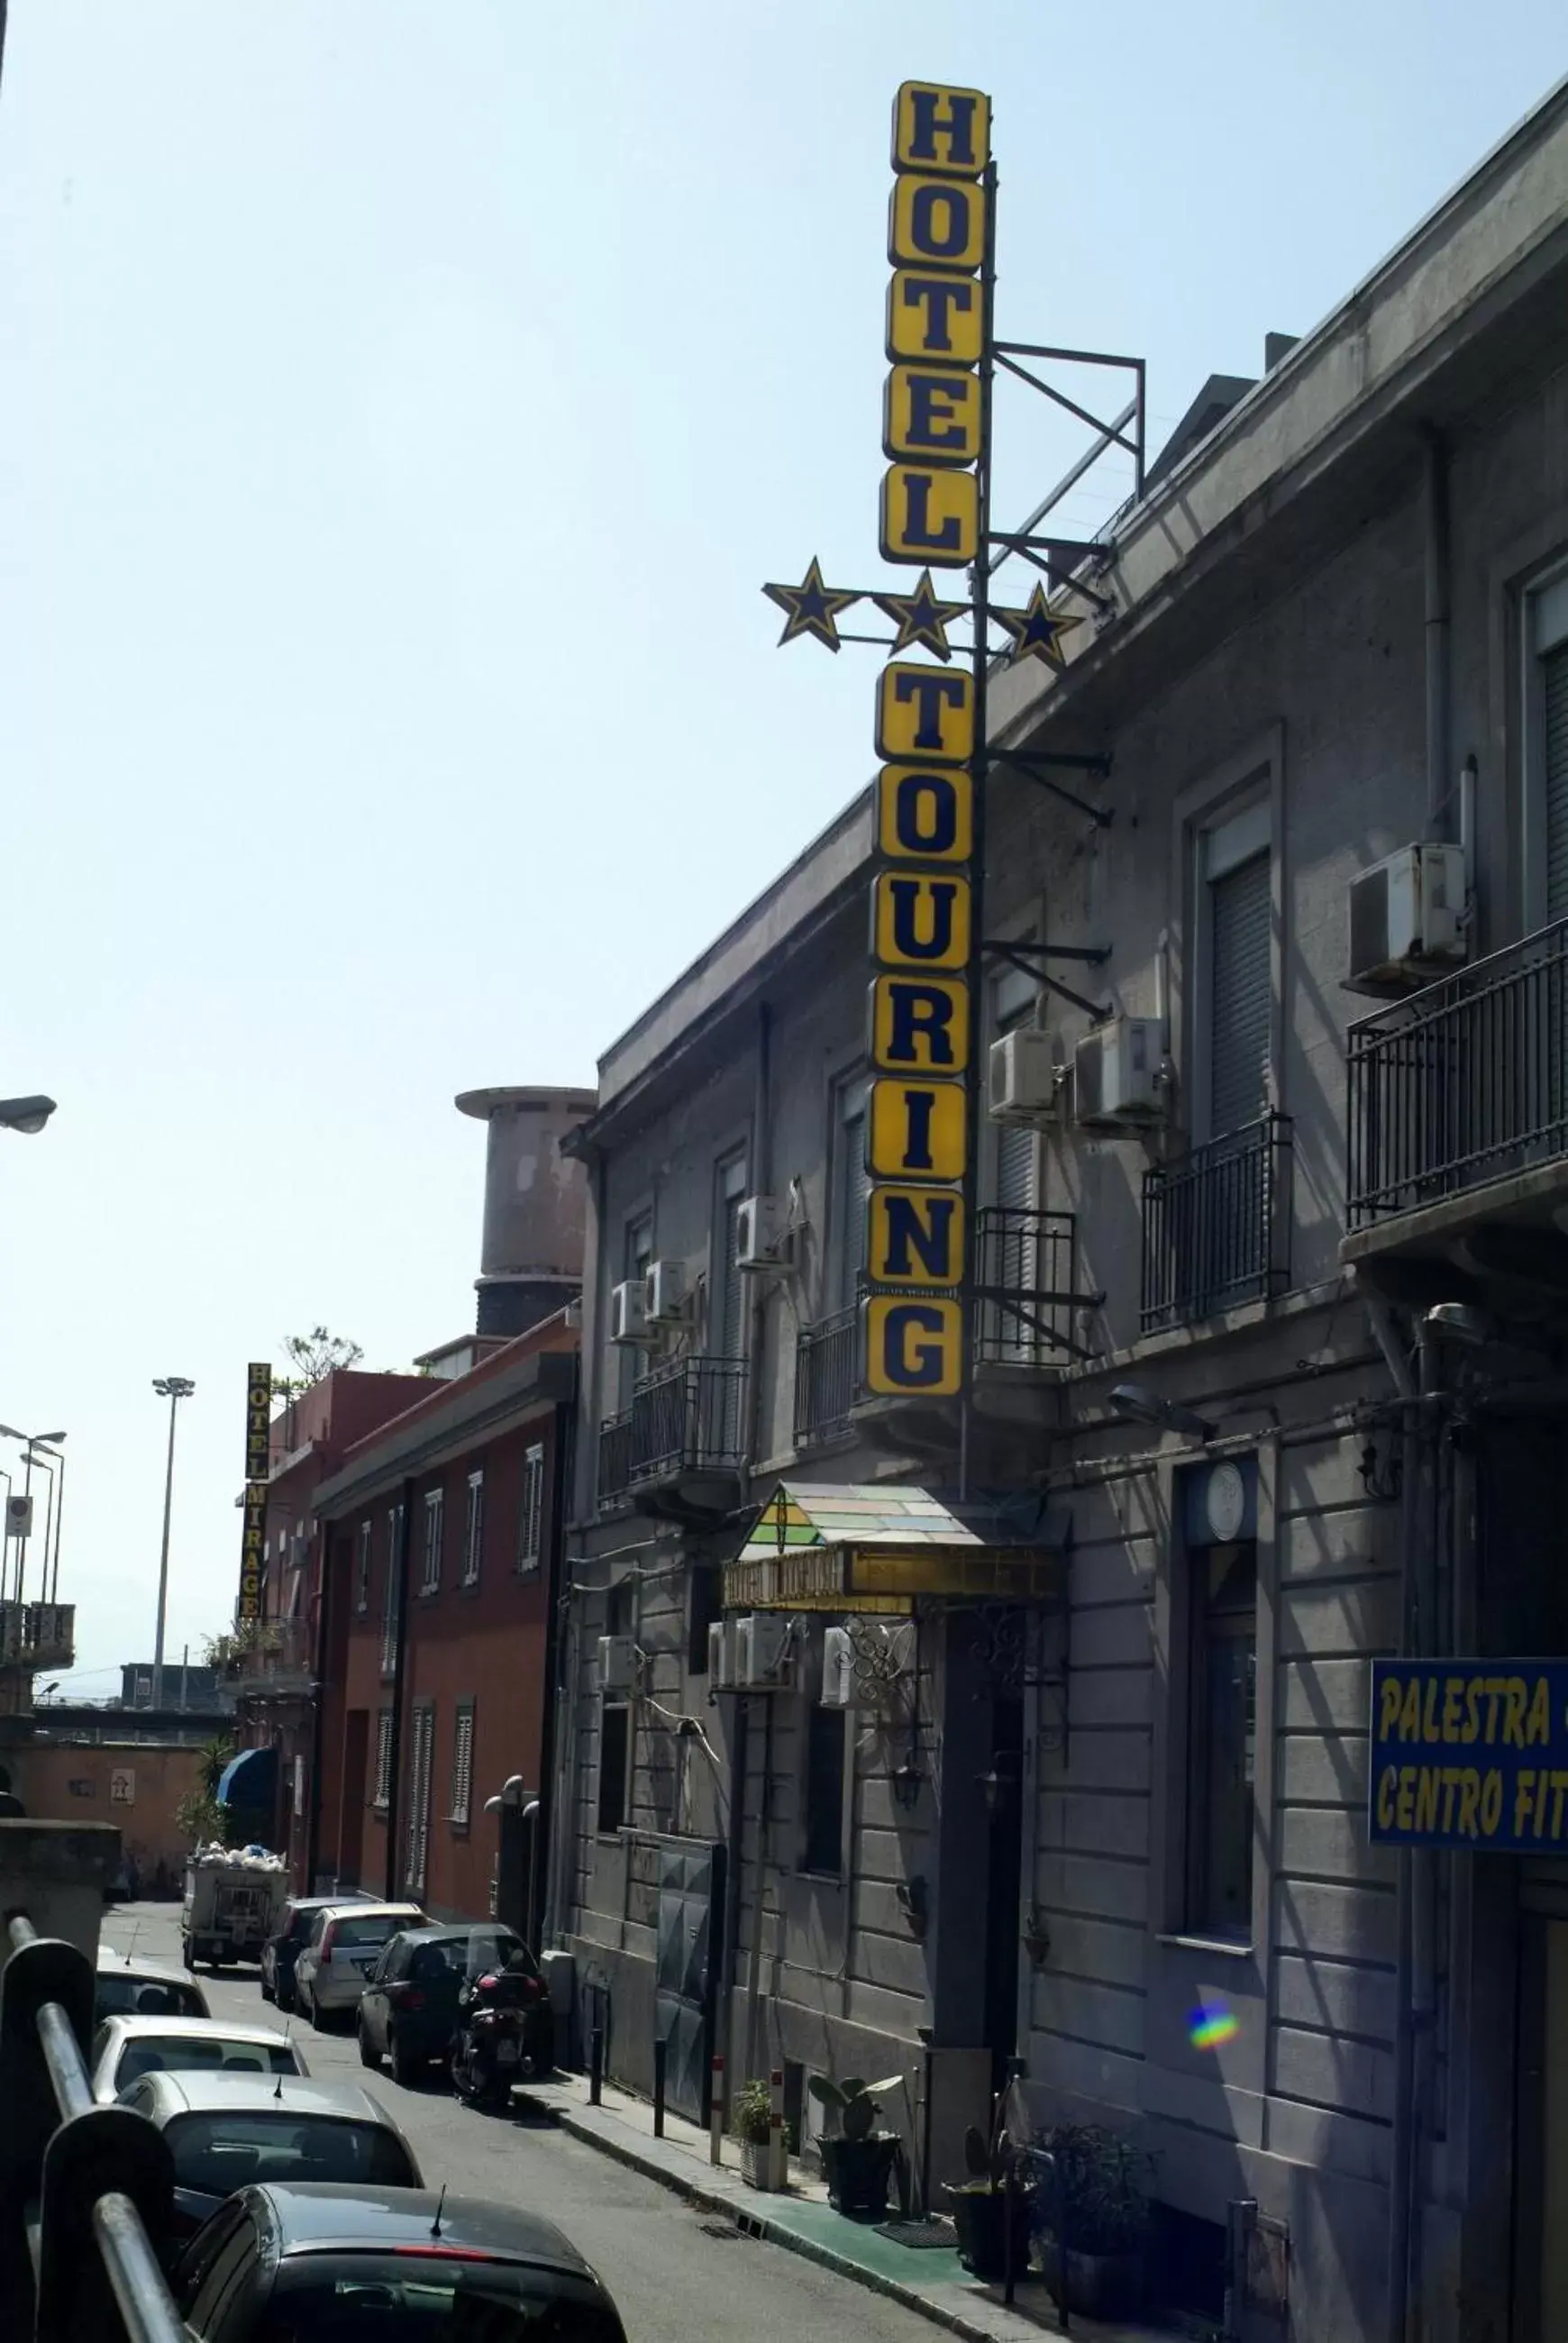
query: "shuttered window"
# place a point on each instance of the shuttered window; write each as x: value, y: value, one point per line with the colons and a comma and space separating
x: 1240, y: 995
x: 462, y: 1762
x: 417, y: 1834
x: 389, y: 1597
x: 1554, y: 776
x: 728, y: 1328
x: 531, y: 1509
x: 474, y: 1529
x: 852, y: 1185
x: 382, y: 1791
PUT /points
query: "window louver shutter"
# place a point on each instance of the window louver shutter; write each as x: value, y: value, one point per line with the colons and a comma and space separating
x: 855, y: 1189
x: 1554, y: 746
x: 1240, y: 1001
x: 731, y: 1335
x: 1015, y: 1156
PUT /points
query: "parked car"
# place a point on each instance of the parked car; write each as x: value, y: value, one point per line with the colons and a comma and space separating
x: 125, y: 2048
x: 132, y: 1986
x: 226, y: 2131
x: 283, y: 1948
x: 408, y: 2012
x: 344, y: 1946
x: 316, y: 2265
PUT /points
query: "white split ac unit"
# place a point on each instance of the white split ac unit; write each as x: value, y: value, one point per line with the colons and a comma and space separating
x: 617, y: 1665
x: 759, y: 1650
x: 629, y: 1311
x: 838, y: 1669
x: 721, y: 1655
x: 1116, y: 1071
x: 1407, y: 915
x: 1022, y: 1075
x: 664, y: 1293
x: 763, y: 1237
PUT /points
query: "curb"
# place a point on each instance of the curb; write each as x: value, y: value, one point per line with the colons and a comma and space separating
x: 757, y: 2224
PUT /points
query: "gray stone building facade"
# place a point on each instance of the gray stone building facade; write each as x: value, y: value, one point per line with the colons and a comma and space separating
x: 1296, y: 1407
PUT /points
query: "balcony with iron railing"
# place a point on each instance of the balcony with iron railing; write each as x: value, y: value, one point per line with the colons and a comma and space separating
x: 1025, y: 1288
x: 1216, y: 1225
x: 828, y: 1378
x: 1458, y: 1101
x: 38, y: 1635
x: 277, y: 1660
x: 686, y: 1423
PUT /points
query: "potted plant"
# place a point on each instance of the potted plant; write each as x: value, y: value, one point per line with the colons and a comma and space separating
x: 858, y: 2162
x: 1093, y: 2201
x: 752, y: 2121
x: 988, y: 2211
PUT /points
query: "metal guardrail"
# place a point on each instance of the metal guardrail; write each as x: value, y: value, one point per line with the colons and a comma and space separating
x: 1462, y: 1082
x: 281, y: 1654
x: 1025, y: 1276
x: 687, y: 1417
x: 827, y: 1376
x: 1216, y: 1224
x: 86, y: 2193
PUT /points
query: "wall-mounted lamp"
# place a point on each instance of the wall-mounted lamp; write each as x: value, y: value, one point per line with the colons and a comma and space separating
x: 1000, y: 1784
x: 907, y: 1780
x: 1138, y: 1404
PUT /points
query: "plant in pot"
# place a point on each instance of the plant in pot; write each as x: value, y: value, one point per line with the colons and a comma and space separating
x: 752, y: 2121
x: 858, y: 2160
x: 989, y: 2213
x: 1091, y: 2198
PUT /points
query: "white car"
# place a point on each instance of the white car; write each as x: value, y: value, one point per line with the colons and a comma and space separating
x: 131, y: 1986
x: 125, y: 2048
x: 342, y: 1948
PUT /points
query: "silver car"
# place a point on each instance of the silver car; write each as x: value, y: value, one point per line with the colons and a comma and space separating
x: 125, y: 2048
x: 344, y: 1946
x: 131, y: 1986
x: 226, y: 2131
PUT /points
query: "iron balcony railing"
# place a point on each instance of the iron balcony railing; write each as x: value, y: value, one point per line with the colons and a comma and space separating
x: 38, y: 1635
x: 689, y: 1417
x: 1216, y: 1225
x: 826, y: 1377
x: 280, y: 1656
x: 1025, y: 1280
x: 1462, y: 1082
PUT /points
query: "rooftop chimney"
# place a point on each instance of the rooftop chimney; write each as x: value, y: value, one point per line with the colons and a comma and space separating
x: 531, y: 1253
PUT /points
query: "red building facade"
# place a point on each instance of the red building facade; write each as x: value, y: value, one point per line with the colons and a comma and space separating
x: 440, y: 1534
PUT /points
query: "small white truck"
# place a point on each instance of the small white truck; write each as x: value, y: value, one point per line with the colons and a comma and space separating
x: 232, y: 1905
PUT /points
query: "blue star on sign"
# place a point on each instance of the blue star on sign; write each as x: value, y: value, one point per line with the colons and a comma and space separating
x: 1036, y: 631
x: 921, y: 618
x: 811, y: 608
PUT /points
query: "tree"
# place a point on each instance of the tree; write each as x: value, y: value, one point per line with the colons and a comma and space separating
x: 199, y: 1817
x: 314, y: 1356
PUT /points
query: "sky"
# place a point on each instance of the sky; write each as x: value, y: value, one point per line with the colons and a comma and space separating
x: 400, y: 409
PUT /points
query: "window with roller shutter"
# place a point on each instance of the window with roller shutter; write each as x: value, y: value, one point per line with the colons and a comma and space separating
x: 1555, y: 774
x: 851, y: 1186
x: 1241, y: 996
x: 726, y: 1309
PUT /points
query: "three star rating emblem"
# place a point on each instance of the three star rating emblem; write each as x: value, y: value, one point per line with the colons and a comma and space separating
x: 811, y: 608
x: 1036, y: 630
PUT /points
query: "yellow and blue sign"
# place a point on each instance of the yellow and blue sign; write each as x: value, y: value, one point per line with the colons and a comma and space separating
x: 934, y: 417
x: 1470, y: 1754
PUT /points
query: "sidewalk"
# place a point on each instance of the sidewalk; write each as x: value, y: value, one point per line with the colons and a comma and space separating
x: 930, y: 2279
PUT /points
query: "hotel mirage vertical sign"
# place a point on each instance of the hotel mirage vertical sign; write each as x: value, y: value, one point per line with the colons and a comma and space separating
x: 257, y: 1464
x: 922, y: 1026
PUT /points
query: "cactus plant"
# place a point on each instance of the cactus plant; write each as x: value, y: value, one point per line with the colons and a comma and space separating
x: 857, y: 2109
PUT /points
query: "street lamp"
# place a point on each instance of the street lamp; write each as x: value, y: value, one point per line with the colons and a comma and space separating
x: 174, y: 1388
x: 30, y: 1441
x: 25, y: 1115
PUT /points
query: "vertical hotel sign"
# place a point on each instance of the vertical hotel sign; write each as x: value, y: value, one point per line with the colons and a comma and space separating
x: 257, y: 1464
x: 922, y: 1024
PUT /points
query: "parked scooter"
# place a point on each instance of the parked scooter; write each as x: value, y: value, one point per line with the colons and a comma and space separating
x: 489, y: 2054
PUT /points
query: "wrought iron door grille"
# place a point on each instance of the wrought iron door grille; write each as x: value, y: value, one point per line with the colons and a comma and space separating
x: 1216, y: 1225
x: 826, y: 1377
x: 1462, y: 1082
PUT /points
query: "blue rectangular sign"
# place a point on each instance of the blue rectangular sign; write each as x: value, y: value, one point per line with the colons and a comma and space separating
x: 1470, y: 1754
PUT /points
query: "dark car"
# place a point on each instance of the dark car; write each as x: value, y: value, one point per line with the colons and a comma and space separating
x: 408, y: 2010
x: 280, y: 1952
x: 224, y: 2131
x: 322, y: 2265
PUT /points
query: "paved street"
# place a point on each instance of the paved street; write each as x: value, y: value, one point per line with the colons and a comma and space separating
x: 678, y: 2276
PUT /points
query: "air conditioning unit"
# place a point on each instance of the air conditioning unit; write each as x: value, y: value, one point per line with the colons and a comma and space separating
x: 664, y: 1293
x: 629, y: 1311
x: 760, y: 1640
x: 1407, y: 916
x: 1023, y: 1076
x: 617, y: 1665
x: 721, y: 1655
x: 763, y: 1238
x: 838, y: 1669
x: 1116, y: 1071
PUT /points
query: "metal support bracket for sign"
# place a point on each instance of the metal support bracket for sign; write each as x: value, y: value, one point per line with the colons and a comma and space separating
x: 1098, y: 1011
x: 1059, y: 560
x: 1013, y: 947
x: 1031, y: 764
x: 1023, y: 1307
x: 1007, y: 354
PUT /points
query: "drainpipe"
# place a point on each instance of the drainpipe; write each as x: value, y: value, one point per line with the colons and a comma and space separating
x: 1434, y: 510
x: 761, y: 1178
x: 400, y: 1677
x: 540, y: 1867
x: 323, y: 1630
x: 729, y: 1950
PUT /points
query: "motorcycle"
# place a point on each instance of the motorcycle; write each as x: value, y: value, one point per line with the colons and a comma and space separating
x: 488, y: 2049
